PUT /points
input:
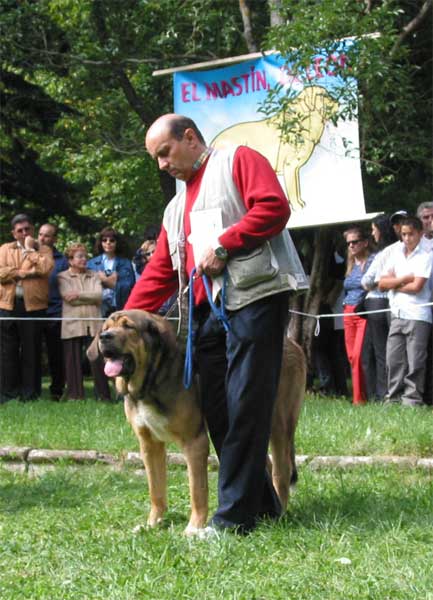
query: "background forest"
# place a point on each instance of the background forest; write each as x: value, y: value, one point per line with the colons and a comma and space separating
x: 77, y: 95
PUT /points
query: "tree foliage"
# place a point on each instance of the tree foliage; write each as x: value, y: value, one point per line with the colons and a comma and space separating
x: 91, y: 62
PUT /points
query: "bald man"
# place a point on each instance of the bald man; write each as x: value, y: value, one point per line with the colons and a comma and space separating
x: 231, y: 215
x: 50, y: 330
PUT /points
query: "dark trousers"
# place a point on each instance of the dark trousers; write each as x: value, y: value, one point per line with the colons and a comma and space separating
x: 20, y: 343
x: 374, y: 350
x: 73, y: 356
x: 239, y: 375
x: 50, y: 332
x: 329, y: 357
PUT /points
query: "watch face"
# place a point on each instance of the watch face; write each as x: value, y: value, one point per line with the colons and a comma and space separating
x: 221, y: 253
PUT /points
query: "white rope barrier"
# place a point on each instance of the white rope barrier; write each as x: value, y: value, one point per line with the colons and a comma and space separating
x: 294, y: 312
x: 352, y: 314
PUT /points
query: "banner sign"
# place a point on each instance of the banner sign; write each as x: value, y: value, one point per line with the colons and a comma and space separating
x: 321, y: 173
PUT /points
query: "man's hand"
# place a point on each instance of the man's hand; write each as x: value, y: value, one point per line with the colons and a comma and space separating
x: 20, y: 274
x: 210, y: 264
x: 71, y: 297
x: 30, y: 243
x: 108, y: 281
x: 406, y: 279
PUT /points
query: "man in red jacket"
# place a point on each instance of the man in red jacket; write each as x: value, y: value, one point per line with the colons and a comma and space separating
x: 239, y: 368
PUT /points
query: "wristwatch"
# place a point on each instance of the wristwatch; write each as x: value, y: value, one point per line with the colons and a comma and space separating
x: 221, y: 253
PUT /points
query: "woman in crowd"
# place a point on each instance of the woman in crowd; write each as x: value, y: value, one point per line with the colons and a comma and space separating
x: 81, y: 292
x: 141, y: 259
x: 142, y: 256
x: 359, y: 258
x: 374, y: 356
x: 114, y: 270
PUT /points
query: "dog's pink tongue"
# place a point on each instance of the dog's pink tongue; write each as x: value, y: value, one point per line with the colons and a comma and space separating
x: 113, y: 367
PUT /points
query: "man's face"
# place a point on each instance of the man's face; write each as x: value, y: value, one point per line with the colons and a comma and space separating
x: 427, y: 219
x: 177, y: 157
x: 21, y: 230
x: 46, y: 236
x: 410, y: 237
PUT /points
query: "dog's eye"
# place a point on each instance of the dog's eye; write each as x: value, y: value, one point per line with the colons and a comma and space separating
x: 128, y: 325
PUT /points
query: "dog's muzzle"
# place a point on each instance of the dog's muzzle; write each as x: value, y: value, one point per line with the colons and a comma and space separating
x: 116, y: 363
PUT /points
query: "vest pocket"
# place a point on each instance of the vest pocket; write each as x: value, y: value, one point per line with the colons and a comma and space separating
x: 253, y: 267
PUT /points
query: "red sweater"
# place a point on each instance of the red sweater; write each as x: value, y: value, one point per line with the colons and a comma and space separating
x: 268, y: 212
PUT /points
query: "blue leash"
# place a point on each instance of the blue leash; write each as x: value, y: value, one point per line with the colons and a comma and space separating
x: 220, y: 314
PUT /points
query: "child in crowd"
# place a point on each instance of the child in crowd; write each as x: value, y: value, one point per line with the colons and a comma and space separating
x: 406, y: 275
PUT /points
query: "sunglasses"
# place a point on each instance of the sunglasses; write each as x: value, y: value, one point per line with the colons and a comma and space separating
x: 353, y: 242
x: 107, y: 239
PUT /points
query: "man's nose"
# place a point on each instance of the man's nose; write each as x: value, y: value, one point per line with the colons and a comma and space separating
x: 162, y: 163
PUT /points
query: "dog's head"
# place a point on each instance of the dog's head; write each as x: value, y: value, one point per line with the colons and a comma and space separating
x: 134, y: 344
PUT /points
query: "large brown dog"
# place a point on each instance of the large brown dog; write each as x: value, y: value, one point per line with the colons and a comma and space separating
x: 141, y: 352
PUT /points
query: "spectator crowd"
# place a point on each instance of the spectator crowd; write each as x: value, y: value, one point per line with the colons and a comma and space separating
x: 57, y: 301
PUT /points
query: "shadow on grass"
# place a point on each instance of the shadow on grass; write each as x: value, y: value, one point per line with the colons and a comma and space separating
x: 59, y: 489
x: 367, y: 499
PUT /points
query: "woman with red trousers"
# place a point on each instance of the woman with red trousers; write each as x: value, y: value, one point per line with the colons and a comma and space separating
x: 359, y: 258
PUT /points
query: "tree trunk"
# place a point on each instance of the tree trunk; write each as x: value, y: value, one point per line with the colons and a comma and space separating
x: 275, y: 12
x: 248, y: 32
x: 302, y: 328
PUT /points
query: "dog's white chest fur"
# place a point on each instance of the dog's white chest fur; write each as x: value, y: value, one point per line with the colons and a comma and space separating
x: 147, y: 416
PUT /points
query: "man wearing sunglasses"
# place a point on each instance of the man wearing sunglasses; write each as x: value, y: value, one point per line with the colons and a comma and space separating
x: 24, y: 271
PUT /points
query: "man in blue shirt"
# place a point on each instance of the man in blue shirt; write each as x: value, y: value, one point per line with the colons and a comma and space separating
x: 51, y: 329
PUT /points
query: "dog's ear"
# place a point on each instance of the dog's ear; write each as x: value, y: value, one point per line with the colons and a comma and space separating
x: 93, y: 350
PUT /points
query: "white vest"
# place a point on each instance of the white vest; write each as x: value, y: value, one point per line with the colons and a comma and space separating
x: 269, y: 269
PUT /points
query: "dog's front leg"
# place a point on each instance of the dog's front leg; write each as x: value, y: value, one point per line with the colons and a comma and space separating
x: 153, y: 455
x: 196, y: 454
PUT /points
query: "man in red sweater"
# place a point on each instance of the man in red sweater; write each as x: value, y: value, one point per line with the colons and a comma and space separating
x: 239, y: 369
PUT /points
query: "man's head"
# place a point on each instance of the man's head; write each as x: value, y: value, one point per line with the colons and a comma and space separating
x: 22, y: 226
x: 396, y: 219
x: 176, y: 143
x: 425, y: 213
x: 47, y: 235
x: 411, y: 232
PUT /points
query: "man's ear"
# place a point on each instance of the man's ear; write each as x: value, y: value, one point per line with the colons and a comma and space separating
x: 190, y: 136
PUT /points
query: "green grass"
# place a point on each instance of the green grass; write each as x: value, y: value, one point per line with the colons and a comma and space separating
x: 326, y: 426
x: 361, y: 533
x: 358, y: 534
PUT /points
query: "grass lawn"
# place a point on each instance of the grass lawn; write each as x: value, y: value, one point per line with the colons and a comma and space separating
x: 361, y: 533
x: 326, y: 427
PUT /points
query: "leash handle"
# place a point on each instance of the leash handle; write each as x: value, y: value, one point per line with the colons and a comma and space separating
x: 220, y: 314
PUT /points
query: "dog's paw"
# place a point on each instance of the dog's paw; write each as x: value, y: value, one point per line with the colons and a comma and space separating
x: 149, y: 525
x: 202, y: 533
x: 191, y: 531
x: 155, y: 519
x: 139, y: 528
